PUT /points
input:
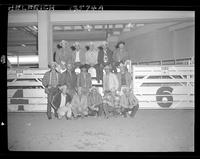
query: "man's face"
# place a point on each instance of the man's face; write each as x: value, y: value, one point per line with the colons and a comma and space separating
x: 122, y: 69
x: 62, y: 65
x: 121, y: 46
x: 105, y: 46
x: 107, y: 69
x: 64, y: 90
x: 53, y: 67
x: 94, y: 91
x: 69, y: 66
x: 84, y: 70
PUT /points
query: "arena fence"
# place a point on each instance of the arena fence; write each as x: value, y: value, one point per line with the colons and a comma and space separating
x: 164, y: 87
x: 156, y: 87
x: 25, y: 92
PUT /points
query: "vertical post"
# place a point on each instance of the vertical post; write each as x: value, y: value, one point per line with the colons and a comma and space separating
x: 44, y: 39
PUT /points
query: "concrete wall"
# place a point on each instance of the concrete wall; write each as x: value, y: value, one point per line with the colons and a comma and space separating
x: 161, y: 44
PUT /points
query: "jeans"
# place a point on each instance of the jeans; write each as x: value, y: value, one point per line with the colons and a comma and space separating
x: 133, y: 110
x: 51, y: 93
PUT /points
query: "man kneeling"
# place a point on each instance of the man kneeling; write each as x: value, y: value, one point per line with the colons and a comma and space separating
x: 79, y: 103
x: 61, y: 102
x: 129, y: 103
x: 95, y: 102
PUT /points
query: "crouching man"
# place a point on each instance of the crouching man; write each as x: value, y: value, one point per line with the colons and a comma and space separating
x: 129, y: 103
x: 79, y: 103
x: 62, y: 103
x: 95, y: 102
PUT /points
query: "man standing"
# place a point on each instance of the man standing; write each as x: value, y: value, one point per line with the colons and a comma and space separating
x: 124, y: 78
x: 84, y: 79
x: 110, y: 81
x: 72, y: 79
x: 64, y: 53
x: 110, y: 87
x: 78, y: 55
x: 91, y: 55
x: 120, y: 55
x: 104, y: 57
x: 50, y: 82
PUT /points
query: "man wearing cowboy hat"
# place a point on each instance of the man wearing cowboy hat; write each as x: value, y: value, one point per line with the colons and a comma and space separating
x: 128, y: 103
x: 105, y: 56
x: 78, y: 55
x: 84, y: 79
x: 120, y: 53
x: 61, y: 102
x: 50, y: 81
x: 91, y: 55
x: 64, y: 53
x: 124, y: 77
x: 94, y: 102
x: 110, y: 81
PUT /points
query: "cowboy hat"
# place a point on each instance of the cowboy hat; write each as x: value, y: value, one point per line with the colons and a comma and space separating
x: 120, y: 42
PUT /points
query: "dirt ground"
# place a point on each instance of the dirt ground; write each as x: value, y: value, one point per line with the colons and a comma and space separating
x: 149, y: 131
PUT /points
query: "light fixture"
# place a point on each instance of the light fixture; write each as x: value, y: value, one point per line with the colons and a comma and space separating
x: 88, y: 27
x: 139, y: 25
x: 98, y: 26
x: 118, y: 26
x: 23, y: 45
x: 77, y: 27
x: 57, y: 28
x: 116, y: 33
x: 129, y: 25
x: 67, y: 28
x: 110, y: 26
x: 14, y: 28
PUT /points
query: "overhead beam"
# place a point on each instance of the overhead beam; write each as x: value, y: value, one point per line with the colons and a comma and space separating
x: 113, y: 17
x: 99, y: 17
x: 145, y: 29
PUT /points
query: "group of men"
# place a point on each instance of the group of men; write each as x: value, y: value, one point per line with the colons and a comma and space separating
x: 90, y: 55
x: 72, y: 95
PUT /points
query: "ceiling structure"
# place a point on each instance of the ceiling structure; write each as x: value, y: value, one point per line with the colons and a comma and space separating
x: 23, y: 39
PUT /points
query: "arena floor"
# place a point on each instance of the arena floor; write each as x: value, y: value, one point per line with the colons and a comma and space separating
x: 149, y: 131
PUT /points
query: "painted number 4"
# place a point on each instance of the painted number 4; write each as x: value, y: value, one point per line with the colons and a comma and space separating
x: 164, y: 97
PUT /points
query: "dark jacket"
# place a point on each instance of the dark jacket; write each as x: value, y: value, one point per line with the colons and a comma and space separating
x: 100, y: 58
x: 81, y: 81
x: 46, y: 78
x: 57, y: 99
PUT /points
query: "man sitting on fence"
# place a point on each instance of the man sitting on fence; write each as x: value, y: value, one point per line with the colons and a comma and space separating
x: 62, y: 103
x: 129, y: 103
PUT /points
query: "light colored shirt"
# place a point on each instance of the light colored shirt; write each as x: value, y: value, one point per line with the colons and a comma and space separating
x: 63, y: 100
x: 77, y: 59
x: 91, y: 57
x: 105, y: 56
x: 106, y: 82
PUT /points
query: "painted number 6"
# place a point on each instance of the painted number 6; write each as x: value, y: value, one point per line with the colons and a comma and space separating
x: 164, y: 97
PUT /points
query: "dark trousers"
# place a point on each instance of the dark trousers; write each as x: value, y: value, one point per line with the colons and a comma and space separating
x: 52, y: 92
x: 133, y: 110
x: 107, y: 109
x: 94, y: 112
